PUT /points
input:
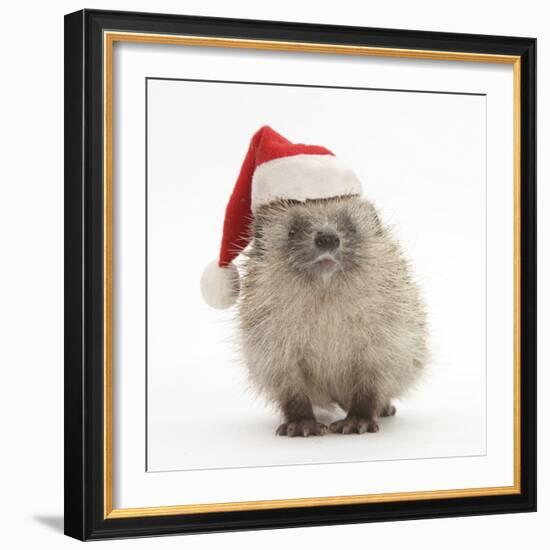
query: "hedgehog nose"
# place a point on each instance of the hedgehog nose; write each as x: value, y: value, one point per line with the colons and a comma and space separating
x: 325, y: 240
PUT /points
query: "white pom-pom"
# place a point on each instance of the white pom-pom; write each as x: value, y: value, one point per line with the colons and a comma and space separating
x: 220, y: 285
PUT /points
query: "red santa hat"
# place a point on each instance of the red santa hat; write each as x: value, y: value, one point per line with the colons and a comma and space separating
x: 273, y: 169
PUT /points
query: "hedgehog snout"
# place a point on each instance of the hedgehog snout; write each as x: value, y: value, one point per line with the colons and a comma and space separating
x: 326, y: 240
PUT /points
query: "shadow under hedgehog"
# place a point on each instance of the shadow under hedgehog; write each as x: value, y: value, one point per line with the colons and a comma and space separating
x: 327, y: 308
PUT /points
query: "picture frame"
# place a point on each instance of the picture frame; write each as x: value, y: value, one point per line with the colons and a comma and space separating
x: 90, y: 256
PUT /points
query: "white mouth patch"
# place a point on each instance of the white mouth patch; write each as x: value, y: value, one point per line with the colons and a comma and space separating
x: 326, y: 262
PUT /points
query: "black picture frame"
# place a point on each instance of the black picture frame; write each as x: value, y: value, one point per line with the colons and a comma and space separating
x: 84, y: 280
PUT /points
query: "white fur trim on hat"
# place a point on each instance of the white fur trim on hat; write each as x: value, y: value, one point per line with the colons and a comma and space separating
x: 220, y: 286
x: 302, y: 177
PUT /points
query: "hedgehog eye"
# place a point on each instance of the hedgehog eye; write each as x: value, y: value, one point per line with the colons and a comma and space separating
x: 346, y: 225
x: 297, y: 227
x: 349, y: 229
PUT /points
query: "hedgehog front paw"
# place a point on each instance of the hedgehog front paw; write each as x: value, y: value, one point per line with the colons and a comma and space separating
x: 354, y: 425
x: 388, y: 410
x: 302, y: 428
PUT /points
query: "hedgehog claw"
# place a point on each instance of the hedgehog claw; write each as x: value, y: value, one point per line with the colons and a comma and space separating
x: 302, y: 428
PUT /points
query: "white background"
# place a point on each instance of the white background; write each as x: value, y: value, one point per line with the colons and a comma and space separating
x: 421, y: 177
x: 31, y: 295
x: 421, y: 158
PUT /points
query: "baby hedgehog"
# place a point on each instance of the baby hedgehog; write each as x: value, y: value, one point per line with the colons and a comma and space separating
x: 328, y: 311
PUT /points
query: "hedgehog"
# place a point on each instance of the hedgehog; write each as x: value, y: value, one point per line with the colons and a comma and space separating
x: 329, y: 314
x: 328, y: 311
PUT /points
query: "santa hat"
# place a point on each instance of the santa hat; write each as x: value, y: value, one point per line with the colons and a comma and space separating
x: 273, y: 169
